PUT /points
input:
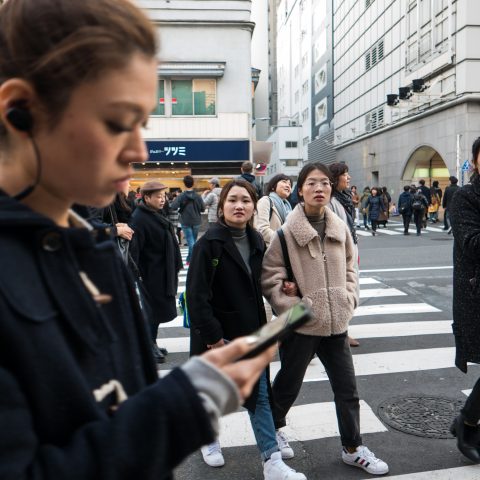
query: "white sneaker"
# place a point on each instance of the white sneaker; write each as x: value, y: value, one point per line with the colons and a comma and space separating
x: 365, y: 459
x: 212, y: 455
x: 275, y: 469
x: 285, y: 448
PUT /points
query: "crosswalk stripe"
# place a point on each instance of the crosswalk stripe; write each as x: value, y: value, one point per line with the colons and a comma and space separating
x: 362, y: 233
x: 368, y: 281
x: 380, y: 363
x: 177, y: 322
x: 375, y: 330
x: 385, y: 362
x: 387, y: 232
x: 305, y: 422
x: 467, y: 392
x: 381, y: 292
x: 471, y: 472
x: 394, y: 308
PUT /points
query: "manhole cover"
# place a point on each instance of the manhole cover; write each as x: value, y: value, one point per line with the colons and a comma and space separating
x: 423, y: 416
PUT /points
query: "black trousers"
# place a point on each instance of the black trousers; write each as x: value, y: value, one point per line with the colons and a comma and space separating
x: 446, y: 220
x: 374, y: 225
x: 418, y: 219
x: 406, y: 220
x: 334, y: 352
x: 471, y: 409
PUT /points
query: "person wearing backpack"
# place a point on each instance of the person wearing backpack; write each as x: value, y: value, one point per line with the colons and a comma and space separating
x: 405, y: 208
x: 247, y: 175
x: 273, y: 208
x: 419, y: 206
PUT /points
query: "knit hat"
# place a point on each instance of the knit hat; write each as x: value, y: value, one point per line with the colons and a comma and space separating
x: 152, y: 186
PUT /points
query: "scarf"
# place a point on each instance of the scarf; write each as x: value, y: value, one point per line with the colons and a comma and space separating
x: 282, y: 206
x: 345, y: 198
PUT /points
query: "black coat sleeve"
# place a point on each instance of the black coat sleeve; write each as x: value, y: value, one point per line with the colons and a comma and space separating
x: 199, y: 281
x: 464, y: 212
x: 150, y: 434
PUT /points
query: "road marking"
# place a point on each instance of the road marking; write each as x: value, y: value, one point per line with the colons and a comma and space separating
x: 368, y: 281
x: 375, y: 330
x: 385, y: 363
x: 387, y: 232
x: 394, y: 308
x: 362, y: 233
x: 177, y: 322
x: 470, y: 472
x: 305, y: 422
x: 381, y: 292
x: 400, y: 329
x: 467, y: 392
x: 409, y: 269
x: 379, y: 363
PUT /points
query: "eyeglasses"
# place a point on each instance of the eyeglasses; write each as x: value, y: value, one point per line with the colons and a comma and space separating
x: 311, y: 184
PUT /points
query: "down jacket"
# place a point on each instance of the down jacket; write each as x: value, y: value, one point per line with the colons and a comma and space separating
x: 324, y: 272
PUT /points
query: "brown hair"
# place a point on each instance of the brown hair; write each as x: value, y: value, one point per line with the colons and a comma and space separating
x: 272, y: 184
x: 337, y: 169
x: 58, y: 44
x: 224, y: 194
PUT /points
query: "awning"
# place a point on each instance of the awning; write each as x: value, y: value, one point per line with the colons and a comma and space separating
x: 191, y: 69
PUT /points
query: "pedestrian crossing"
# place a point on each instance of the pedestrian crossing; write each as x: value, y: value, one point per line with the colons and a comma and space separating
x: 385, y: 315
x: 396, y: 228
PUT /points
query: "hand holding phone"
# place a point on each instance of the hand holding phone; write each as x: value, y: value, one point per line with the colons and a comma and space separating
x: 278, y: 329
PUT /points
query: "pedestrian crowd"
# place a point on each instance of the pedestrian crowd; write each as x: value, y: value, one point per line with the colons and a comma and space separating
x: 90, y: 270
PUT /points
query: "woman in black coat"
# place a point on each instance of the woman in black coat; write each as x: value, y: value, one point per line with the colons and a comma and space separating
x: 375, y: 207
x: 159, y: 259
x: 225, y: 301
x: 464, y: 212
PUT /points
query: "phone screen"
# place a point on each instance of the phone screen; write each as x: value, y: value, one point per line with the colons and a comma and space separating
x: 278, y: 329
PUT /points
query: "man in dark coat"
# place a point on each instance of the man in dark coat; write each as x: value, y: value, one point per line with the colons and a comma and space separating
x: 190, y: 206
x: 405, y: 208
x: 247, y: 169
x: 447, y: 198
x: 159, y: 259
x: 426, y: 193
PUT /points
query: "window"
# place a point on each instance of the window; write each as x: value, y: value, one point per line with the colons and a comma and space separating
x: 321, y: 112
x: 306, y: 140
x: 160, y: 108
x: 296, y: 70
x: 374, y: 55
x: 305, y: 88
x: 374, y: 119
x: 290, y: 144
x: 291, y: 162
x: 305, y: 60
x: 305, y: 115
x: 193, y: 97
x: 297, y: 96
x: 320, y: 79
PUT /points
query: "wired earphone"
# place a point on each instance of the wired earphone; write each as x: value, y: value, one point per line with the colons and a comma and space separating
x: 21, y: 119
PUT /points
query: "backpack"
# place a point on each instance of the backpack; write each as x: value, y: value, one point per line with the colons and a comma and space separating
x: 417, y: 202
x: 182, y: 299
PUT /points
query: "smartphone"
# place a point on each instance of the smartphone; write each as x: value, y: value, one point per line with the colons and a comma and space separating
x: 278, y: 329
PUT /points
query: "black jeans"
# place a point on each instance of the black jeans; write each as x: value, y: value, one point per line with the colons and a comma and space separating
x: 446, y: 220
x: 418, y: 218
x: 334, y: 352
x: 374, y: 224
x: 406, y: 220
x: 471, y: 409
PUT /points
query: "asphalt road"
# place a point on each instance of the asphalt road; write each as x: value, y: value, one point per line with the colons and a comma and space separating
x: 403, y: 325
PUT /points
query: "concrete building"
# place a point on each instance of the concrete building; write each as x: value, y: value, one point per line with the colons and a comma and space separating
x: 202, y: 124
x: 422, y: 54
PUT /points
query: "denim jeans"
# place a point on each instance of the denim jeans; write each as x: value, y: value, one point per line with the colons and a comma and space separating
x: 296, y: 352
x: 191, y: 234
x: 262, y: 422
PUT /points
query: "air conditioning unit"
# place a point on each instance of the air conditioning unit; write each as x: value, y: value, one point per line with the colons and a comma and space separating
x: 293, y: 123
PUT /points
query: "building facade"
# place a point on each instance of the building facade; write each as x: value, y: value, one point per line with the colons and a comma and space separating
x: 202, y: 123
x: 407, y: 103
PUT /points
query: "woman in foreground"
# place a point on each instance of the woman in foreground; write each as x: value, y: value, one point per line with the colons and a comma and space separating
x: 80, y: 394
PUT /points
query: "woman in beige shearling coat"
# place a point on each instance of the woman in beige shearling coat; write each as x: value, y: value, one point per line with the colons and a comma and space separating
x: 322, y: 257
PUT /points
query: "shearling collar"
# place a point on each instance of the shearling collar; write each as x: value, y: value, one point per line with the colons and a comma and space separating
x: 303, y: 232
